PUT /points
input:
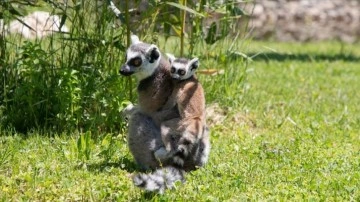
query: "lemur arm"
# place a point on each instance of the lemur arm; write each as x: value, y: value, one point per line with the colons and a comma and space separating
x: 164, y: 115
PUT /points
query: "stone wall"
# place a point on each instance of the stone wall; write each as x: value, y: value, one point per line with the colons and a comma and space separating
x: 305, y: 20
x: 41, y: 24
x: 284, y: 20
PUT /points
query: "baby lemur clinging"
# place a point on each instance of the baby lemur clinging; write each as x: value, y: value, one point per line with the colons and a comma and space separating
x: 181, y: 135
x: 155, y: 89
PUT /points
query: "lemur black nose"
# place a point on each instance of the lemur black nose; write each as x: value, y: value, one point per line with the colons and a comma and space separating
x: 180, y: 152
x: 125, y: 71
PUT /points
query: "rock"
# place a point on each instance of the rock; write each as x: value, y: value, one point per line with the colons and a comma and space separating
x: 41, y: 23
x: 305, y: 20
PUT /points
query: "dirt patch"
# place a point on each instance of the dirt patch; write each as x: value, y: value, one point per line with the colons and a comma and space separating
x: 217, y: 115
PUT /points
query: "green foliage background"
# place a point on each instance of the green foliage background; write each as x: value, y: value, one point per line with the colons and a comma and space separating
x: 285, y: 126
x: 69, y: 81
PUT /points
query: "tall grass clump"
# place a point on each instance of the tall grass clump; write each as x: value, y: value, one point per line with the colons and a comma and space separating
x: 69, y: 81
x: 66, y: 80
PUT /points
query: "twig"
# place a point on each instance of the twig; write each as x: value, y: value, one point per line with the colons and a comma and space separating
x: 126, y: 22
x: 182, y: 34
x: 116, y: 11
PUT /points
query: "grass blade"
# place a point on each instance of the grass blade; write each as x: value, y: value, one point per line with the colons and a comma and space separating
x: 185, y: 8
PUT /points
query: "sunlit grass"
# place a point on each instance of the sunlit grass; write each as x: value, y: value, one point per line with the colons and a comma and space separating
x: 290, y: 133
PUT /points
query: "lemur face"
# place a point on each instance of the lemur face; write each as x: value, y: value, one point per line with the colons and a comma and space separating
x: 141, y: 60
x: 179, y: 71
x: 182, y: 68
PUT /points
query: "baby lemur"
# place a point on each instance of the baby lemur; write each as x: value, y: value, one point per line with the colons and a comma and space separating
x: 181, y: 135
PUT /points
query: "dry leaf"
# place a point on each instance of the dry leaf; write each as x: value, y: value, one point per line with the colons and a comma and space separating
x: 211, y: 71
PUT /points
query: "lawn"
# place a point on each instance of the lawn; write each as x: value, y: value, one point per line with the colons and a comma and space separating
x: 285, y: 127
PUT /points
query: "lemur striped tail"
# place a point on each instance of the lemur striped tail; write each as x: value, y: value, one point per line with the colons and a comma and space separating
x: 159, y: 180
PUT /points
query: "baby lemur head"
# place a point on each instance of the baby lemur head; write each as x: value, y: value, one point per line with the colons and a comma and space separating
x: 182, y: 68
x: 142, y: 59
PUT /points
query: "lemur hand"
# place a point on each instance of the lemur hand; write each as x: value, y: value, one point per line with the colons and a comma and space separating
x: 161, y: 154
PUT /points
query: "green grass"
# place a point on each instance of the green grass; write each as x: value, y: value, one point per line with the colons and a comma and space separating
x: 291, y: 132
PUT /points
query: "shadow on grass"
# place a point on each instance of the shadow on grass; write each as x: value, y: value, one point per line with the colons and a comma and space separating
x: 124, y: 164
x: 272, y: 56
x: 148, y: 195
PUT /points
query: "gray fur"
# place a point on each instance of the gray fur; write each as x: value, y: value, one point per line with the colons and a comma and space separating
x: 165, y: 178
x: 139, y: 47
x: 190, y: 156
x: 159, y: 180
x: 201, y: 155
x: 182, y: 60
x: 143, y: 139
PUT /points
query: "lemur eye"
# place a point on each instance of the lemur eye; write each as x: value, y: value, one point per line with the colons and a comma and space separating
x: 182, y: 72
x: 172, y: 70
x: 135, y: 62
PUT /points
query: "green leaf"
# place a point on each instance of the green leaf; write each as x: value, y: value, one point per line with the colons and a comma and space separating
x: 236, y: 11
x: 182, y: 7
x: 79, y: 146
x: 211, y: 35
x: 14, y: 11
x: 36, y: 61
x: 87, y: 145
x: 177, y: 30
x: 62, y: 22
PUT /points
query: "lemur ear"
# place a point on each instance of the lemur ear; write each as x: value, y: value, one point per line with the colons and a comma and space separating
x: 194, y: 64
x: 171, y: 57
x: 153, y: 53
x: 134, y: 39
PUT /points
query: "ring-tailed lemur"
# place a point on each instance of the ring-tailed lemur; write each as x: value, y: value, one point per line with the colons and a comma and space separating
x: 182, y: 135
x: 154, y: 88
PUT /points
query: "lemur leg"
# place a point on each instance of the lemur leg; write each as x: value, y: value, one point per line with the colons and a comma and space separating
x: 200, y: 152
x: 167, y: 130
x: 204, y: 148
x: 143, y: 140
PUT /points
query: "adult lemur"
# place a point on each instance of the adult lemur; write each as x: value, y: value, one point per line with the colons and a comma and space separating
x: 155, y: 86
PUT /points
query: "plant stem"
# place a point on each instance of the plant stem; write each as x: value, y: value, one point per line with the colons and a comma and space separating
x: 128, y: 32
x: 183, y: 19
